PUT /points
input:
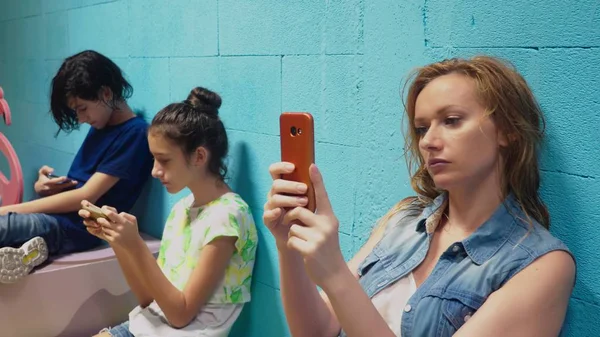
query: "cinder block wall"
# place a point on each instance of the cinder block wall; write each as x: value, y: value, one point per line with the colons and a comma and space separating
x: 345, y: 62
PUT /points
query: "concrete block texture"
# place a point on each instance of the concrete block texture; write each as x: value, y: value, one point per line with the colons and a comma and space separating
x: 344, y: 61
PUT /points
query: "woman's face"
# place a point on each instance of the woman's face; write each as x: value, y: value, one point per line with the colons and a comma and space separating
x: 458, y: 140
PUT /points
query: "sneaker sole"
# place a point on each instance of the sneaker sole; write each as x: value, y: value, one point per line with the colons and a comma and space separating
x: 16, y: 263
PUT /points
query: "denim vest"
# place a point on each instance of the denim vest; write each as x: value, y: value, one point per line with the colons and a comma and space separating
x: 466, y: 273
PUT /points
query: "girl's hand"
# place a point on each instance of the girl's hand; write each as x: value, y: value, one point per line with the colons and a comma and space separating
x: 119, y: 229
x: 90, y: 224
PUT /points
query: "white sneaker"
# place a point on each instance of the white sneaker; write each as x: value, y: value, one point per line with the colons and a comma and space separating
x: 16, y: 263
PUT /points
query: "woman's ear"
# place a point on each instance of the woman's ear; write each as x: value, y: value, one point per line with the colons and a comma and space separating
x: 505, y: 139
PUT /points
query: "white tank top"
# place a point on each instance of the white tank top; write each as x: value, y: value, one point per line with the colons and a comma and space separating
x: 390, y: 302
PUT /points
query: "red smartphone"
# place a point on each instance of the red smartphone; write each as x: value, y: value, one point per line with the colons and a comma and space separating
x: 297, y: 134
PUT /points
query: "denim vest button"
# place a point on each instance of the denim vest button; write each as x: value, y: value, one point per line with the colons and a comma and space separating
x: 407, y: 308
x: 468, y: 317
x: 455, y: 248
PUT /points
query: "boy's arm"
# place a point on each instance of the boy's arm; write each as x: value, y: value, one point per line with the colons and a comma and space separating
x: 68, y: 201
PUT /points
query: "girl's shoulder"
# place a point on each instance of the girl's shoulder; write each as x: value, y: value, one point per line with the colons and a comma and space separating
x: 230, y: 202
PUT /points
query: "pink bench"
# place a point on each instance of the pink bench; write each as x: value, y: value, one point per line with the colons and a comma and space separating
x: 73, y: 295
x: 11, y: 191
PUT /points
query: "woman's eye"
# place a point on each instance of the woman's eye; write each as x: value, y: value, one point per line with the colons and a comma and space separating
x: 420, y: 131
x: 452, y: 120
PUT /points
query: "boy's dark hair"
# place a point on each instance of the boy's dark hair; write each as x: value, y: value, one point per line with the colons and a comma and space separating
x: 193, y: 123
x: 83, y: 75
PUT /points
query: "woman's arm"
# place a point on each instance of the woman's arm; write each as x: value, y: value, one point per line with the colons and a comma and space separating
x: 307, y: 314
x: 310, y: 313
x: 533, y: 303
x: 354, y: 309
x: 310, y: 255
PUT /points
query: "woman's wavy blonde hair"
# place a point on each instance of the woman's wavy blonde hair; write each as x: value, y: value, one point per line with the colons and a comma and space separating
x: 515, y: 112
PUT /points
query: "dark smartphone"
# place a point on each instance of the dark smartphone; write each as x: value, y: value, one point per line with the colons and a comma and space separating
x: 52, y: 176
x: 297, y: 134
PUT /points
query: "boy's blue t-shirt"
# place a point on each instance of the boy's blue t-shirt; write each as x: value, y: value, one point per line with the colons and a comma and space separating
x: 117, y: 150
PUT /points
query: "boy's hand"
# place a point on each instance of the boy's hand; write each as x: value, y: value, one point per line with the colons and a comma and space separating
x: 45, y: 186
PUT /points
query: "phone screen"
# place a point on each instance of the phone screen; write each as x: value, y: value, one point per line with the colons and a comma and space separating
x: 53, y: 176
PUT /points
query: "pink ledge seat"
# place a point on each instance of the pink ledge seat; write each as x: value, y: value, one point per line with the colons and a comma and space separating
x: 72, y: 295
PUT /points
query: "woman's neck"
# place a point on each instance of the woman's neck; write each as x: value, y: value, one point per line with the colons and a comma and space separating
x: 470, y: 207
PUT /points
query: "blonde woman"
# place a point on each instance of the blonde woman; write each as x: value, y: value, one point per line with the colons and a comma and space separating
x: 470, y: 255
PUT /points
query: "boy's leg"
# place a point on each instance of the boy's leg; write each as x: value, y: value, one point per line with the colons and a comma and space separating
x: 38, y: 235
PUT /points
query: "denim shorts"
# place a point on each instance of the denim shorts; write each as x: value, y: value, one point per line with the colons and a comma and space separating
x: 121, y: 330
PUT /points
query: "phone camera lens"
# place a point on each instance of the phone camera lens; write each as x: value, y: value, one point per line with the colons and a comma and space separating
x: 293, y: 130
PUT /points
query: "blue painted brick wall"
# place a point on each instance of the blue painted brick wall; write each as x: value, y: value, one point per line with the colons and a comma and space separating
x: 345, y: 61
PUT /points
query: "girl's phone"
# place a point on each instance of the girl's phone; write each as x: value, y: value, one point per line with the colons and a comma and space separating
x: 95, y: 212
x: 296, y: 130
x: 52, y: 176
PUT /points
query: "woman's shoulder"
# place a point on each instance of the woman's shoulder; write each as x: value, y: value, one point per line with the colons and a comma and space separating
x: 403, y: 213
x: 534, y: 238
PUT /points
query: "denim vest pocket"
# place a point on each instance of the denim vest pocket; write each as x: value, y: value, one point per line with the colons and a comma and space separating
x: 367, y: 263
x: 371, y: 274
x: 459, y: 306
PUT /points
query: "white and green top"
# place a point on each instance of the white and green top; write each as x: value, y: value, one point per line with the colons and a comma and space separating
x: 188, y: 229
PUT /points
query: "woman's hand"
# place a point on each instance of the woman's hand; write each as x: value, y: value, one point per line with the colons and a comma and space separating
x: 284, y: 194
x: 313, y: 235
